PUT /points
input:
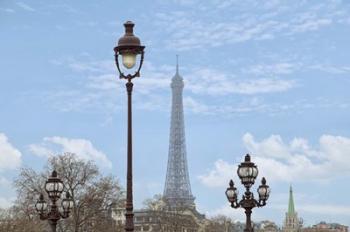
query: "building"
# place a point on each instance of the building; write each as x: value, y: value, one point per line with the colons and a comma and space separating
x: 266, y: 226
x: 291, y: 223
x: 159, y: 220
x: 178, y: 213
x: 327, y: 227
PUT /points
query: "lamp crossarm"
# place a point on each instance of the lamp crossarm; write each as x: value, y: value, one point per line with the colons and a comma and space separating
x: 260, y: 203
x: 65, y: 214
x: 43, y: 216
x: 235, y: 204
x: 54, y: 215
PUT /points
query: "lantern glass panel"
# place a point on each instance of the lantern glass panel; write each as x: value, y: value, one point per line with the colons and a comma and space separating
x: 250, y: 171
x: 38, y: 206
x: 60, y: 186
x: 41, y: 206
x: 71, y: 204
x: 50, y: 186
x: 262, y: 191
x: 129, y: 60
x: 230, y: 193
x: 44, y: 206
x: 255, y: 172
x: 242, y: 172
x: 65, y: 205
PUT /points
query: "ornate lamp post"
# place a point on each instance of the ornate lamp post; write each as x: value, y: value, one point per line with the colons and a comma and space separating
x: 129, y: 48
x: 54, y: 188
x: 247, y: 172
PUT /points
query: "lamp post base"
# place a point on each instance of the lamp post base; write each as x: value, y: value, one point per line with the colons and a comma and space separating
x: 129, y: 224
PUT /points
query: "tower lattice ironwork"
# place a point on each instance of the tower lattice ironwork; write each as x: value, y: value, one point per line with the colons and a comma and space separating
x: 177, y: 191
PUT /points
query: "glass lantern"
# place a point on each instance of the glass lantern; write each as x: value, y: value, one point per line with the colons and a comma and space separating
x: 247, y: 172
x: 263, y: 190
x: 54, y: 186
x: 231, y: 192
x: 129, y: 48
x: 41, y: 205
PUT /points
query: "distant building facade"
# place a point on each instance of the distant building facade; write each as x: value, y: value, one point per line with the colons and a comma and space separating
x: 160, y: 221
x: 291, y: 223
x: 266, y: 226
x: 327, y: 227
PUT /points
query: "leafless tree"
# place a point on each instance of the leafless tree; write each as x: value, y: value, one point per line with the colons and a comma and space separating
x: 92, y: 193
x: 14, y: 220
x: 165, y: 219
x: 155, y: 203
x: 219, y: 223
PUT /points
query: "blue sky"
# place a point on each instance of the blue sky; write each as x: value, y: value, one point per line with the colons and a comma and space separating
x: 266, y: 77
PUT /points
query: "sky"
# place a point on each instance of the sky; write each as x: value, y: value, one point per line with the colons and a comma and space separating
x: 269, y: 78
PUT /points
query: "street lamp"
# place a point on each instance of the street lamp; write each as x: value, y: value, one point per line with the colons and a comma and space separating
x: 247, y: 172
x: 54, y: 188
x: 129, y: 48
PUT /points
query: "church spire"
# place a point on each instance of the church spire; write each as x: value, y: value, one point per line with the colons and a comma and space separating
x: 291, y: 209
x: 291, y: 223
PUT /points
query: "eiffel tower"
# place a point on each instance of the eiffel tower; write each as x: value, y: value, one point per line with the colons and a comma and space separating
x: 177, y: 192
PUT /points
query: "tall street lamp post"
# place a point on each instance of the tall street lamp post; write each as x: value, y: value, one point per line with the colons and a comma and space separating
x: 247, y: 171
x: 129, y: 48
x: 54, y: 188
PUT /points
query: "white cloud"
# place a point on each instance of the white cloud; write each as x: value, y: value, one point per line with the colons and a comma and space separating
x: 196, y: 106
x: 81, y: 147
x: 4, y: 182
x: 10, y: 157
x: 103, y: 92
x: 293, y: 161
x: 7, y: 10
x: 102, y: 88
x: 198, y: 80
x: 220, y: 175
x: 217, y: 83
x: 101, y: 66
x: 40, y: 150
x: 25, y: 6
x: 333, y: 69
x: 311, y: 25
x: 326, y: 209
x: 253, y: 22
x: 234, y: 214
x: 320, y: 209
x: 187, y: 33
x: 272, y: 69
